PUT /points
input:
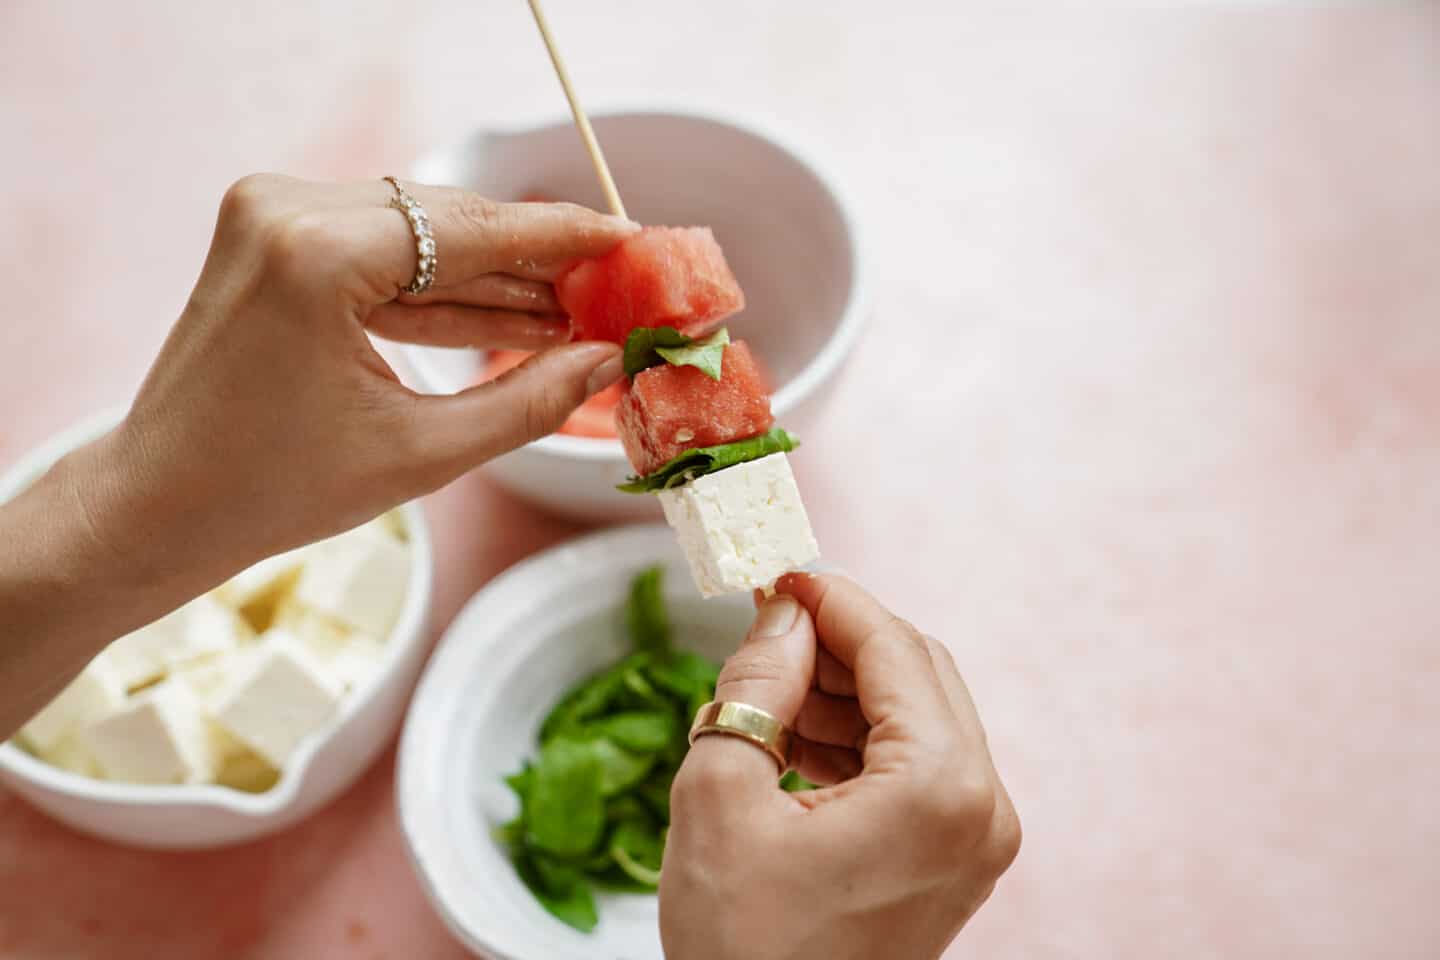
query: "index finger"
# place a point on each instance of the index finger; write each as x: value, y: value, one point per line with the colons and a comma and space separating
x: 474, y: 236
x: 895, y: 679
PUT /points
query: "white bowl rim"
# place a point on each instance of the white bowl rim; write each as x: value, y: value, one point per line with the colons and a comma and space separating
x: 579, y: 553
x: 824, y: 364
x: 408, y: 628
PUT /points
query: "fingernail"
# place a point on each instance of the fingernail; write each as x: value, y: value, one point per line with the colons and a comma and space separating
x: 605, y: 374
x: 776, y: 618
x: 621, y: 223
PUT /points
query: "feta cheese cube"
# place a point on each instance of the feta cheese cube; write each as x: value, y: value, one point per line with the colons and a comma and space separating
x: 210, y: 677
x: 393, y: 523
x: 95, y: 693
x: 71, y: 754
x: 258, y: 591
x: 742, y: 527
x: 348, y: 657
x: 358, y: 578
x: 202, y: 627
x: 281, y: 698
x: 247, y: 771
x: 160, y: 736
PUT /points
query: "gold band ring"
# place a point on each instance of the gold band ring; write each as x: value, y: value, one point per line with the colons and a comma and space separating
x: 746, y: 722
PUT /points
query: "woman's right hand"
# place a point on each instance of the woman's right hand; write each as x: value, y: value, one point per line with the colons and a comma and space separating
x: 890, y: 860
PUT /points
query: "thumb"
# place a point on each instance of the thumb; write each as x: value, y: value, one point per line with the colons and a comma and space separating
x: 772, y: 670
x: 462, y: 431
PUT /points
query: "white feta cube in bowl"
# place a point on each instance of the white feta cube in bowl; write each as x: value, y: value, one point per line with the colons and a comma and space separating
x: 246, y: 709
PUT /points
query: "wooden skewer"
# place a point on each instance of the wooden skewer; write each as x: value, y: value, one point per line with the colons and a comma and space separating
x: 597, y: 157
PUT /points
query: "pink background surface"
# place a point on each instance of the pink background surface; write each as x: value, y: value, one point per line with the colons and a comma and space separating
x: 1156, y: 366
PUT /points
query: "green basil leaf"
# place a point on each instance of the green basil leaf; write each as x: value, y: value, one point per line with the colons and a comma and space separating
x: 520, y: 782
x: 613, y: 878
x: 691, y: 464
x: 642, y: 732
x: 794, y: 783
x: 566, y: 810
x: 655, y: 791
x: 684, y: 673
x: 645, y: 616
x: 637, y: 848
x: 561, y: 889
x: 594, y: 696
x: 511, y: 833
x: 626, y: 806
x: 639, y: 693
x: 619, y: 768
x: 642, y: 344
x: 705, y: 355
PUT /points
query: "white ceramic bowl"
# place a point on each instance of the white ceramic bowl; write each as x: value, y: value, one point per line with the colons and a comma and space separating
x: 787, y: 231
x: 188, y: 816
x: 516, y: 648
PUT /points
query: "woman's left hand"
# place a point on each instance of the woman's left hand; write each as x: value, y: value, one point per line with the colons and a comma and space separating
x: 270, y: 420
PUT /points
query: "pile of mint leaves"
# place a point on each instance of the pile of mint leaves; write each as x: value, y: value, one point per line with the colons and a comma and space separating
x: 648, y: 347
x: 595, y: 800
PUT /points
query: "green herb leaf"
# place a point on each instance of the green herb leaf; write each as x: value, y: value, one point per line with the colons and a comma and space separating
x: 792, y: 782
x: 638, y: 692
x: 642, y: 344
x: 645, y: 615
x: 613, y: 878
x: 511, y: 833
x: 561, y: 889
x: 597, y: 695
x: 626, y: 806
x: 648, y: 347
x: 642, y: 732
x: 704, y: 460
x: 619, y: 768
x: 655, y: 791
x: 684, y: 673
x: 637, y: 848
x: 565, y: 814
x: 520, y: 782
x: 705, y: 355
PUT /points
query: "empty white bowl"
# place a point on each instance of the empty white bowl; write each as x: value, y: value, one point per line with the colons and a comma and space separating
x: 186, y: 816
x: 787, y: 231
x: 517, y: 647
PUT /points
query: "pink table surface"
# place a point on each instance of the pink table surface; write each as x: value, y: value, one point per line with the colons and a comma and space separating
x: 1147, y: 428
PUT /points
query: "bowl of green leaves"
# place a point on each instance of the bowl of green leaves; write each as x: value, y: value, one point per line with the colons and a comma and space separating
x: 535, y: 767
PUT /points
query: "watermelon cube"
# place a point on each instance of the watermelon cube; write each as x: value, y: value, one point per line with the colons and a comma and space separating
x: 661, y: 277
x: 669, y: 409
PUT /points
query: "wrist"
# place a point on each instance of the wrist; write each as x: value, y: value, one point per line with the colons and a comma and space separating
x: 113, y: 537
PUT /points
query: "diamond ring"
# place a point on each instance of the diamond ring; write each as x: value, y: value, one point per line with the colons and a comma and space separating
x: 424, y: 238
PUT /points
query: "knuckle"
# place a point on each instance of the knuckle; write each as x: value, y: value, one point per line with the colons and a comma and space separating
x: 939, y: 651
x: 1005, y: 839
x: 476, y: 213
x: 756, y: 666
x: 296, y: 247
x: 892, y: 629
x: 247, y: 202
x: 703, y: 776
x: 959, y: 806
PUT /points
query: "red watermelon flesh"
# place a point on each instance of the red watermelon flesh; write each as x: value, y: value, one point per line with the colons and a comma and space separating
x: 661, y: 277
x: 669, y: 410
x: 593, y: 418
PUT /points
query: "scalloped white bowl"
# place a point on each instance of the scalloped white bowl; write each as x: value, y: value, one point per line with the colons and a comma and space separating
x: 788, y: 230
x: 519, y: 644
x: 193, y: 816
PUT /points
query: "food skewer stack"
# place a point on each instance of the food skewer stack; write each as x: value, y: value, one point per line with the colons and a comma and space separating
x: 695, y: 420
